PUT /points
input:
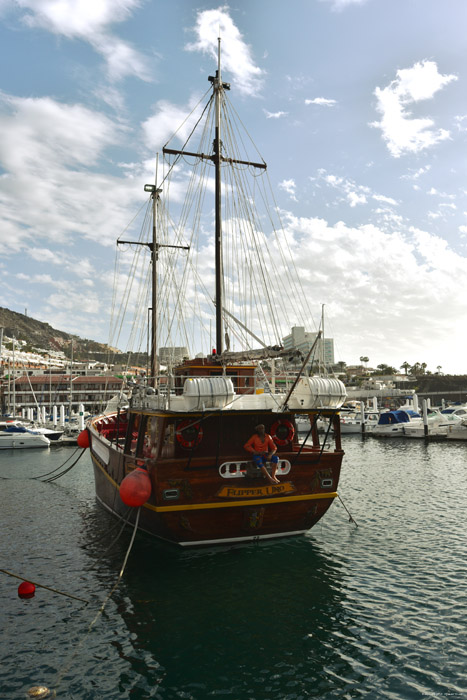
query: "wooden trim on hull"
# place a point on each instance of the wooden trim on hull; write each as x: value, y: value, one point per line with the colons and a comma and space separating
x: 191, y: 524
x: 207, y: 543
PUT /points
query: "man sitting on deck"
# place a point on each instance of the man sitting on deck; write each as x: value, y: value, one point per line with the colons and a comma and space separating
x: 263, y: 449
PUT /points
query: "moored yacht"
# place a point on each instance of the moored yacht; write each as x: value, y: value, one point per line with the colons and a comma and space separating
x: 15, y: 435
x: 391, y: 423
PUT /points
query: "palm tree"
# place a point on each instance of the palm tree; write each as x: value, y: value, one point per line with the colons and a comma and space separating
x: 405, y: 366
x: 385, y: 369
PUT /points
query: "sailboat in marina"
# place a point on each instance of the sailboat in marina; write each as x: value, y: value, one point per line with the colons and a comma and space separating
x: 175, y: 449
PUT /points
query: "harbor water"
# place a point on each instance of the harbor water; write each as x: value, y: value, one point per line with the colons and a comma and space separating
x: 370, y: 611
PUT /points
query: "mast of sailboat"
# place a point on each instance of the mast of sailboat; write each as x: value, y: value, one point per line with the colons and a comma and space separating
x: 154, y: 247
x: 70, y: 402
x: 321, y: 348
x: 155, y: 255
x: 217, y: 158
x: 217, y: 85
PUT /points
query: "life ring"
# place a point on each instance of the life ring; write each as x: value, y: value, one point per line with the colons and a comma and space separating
x: 282, y: 432
x: 189, y: 434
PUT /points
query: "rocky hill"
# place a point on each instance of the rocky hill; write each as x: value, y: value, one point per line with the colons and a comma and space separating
x: 41, y: 335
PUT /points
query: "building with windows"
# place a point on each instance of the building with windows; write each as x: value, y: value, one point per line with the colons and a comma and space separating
x: 172, y: 356
x: 302, y: 340
x: 49, y: 390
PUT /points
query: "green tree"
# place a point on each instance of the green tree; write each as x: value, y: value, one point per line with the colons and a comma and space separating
x: 385, y: 369
x: 405, y: 366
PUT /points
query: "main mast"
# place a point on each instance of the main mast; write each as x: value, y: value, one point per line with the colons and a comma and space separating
x: 218, y: 91
x: 217, y: 158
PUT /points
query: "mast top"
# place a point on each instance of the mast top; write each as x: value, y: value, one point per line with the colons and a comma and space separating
x: 216, y: 80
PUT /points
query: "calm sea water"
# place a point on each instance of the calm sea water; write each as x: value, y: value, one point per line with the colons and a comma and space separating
x: 374, y: 611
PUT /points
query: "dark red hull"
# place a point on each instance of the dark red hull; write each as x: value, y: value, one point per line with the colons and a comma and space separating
x: 194, y: 503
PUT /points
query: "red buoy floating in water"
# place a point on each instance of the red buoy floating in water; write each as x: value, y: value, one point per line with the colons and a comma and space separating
x: 135, y: 488
x: 26, y: 589
x: 83, y: 439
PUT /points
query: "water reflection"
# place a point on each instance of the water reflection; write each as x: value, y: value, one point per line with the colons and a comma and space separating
x: 235, y: 618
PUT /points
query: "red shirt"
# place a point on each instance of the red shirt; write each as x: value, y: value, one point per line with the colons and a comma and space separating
x: 255, y: 444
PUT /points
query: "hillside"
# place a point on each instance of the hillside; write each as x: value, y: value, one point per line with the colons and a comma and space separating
x: 41, y: 335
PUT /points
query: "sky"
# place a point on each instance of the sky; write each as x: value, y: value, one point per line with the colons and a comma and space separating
x: 358, y: 107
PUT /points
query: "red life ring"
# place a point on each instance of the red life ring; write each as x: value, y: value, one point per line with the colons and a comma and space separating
x: 282, y: 432
x: 189, y: 434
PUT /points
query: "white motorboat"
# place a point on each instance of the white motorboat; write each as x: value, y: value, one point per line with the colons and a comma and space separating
x: 50, y: 433
x: 437, y: 425
x: 391, y: 423
x: 460, y: 411
x: 15, y: 435
x: 352, y: 422
x: 457, y: 431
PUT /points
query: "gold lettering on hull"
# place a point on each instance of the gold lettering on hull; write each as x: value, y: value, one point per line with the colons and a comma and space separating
x: 269, y: 490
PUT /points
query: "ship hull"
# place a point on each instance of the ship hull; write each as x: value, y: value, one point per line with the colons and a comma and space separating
x: 192, y: 504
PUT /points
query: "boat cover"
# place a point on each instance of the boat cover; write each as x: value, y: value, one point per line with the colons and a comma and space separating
x: 391, y: 417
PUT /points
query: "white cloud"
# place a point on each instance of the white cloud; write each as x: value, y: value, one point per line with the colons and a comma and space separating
x: 353, y: 193
x: 76, y: 18
x: 461, y: 122
x: 235, y: 53
x: 167, y: 118
x: 322, y: 101
x: 386, y: 200
x: 274, y: 115
x: 50, y: 190
x: 342, y: 4
x: 372, y: 277
x: 290, y: 187
x: 402, y: 132
x: 90, y: 22
x: 416, y: 174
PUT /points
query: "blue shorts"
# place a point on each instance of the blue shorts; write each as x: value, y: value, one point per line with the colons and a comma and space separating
x: 261, y: 458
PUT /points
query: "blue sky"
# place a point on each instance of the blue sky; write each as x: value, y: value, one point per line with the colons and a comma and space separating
x: 358, y: 107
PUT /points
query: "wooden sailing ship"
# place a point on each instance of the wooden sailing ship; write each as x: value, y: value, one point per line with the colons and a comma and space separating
x: 181, y: 435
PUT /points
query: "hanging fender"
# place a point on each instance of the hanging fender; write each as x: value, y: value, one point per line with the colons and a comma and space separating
x: 282, y: 432
x: 189, y: 433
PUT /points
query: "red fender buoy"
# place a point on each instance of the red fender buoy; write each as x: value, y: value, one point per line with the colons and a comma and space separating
x: 135, y: 488
x: 26, y: 589
x: 83, y: 439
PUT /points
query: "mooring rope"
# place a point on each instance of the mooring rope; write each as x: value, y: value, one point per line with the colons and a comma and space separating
x: 114, y: 541
x: 66, y: 667
x: 351, y: 520
x: 65, y: 471
x: 41, y: 585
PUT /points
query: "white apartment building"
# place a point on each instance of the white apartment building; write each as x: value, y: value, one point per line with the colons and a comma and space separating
x: 302, y: 340
x: 172, y: 356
